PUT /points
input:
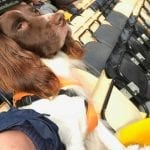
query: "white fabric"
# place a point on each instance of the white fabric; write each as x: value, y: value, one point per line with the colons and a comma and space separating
x: 69, y: 113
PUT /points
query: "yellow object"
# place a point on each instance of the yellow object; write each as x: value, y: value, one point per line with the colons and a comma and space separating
x: 135, y: 133
x: 67, y: 15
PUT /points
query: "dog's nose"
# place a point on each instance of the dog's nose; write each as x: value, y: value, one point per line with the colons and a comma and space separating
x: 55, y: 18
x: 59, y: 18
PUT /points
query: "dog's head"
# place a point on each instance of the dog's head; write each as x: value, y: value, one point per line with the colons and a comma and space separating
x: 23, y: 30
x: 44, y: 35
x: 21, y: 70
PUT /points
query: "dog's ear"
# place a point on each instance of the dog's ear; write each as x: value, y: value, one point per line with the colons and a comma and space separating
x: 22, y: 71
x: 73, y: 48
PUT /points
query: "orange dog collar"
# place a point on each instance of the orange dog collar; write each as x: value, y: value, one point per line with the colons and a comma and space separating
x: 18, y: 96
x: 92, y: 118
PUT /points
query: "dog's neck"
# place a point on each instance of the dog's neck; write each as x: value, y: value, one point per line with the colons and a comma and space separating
x: 61, y: 65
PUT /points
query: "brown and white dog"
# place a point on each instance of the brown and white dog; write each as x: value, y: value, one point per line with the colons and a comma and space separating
x: 47, y: 36
x: 26, y: 38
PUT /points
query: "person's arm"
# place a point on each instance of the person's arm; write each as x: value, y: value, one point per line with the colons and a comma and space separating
x: 15, y: 140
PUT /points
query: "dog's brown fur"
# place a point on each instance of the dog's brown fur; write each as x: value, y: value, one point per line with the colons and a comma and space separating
x: 21, y: 70
x: 21, y: 31
x: 40, y: 36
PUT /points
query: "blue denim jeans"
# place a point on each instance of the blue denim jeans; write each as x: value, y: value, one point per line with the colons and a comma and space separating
x: 42, y: 131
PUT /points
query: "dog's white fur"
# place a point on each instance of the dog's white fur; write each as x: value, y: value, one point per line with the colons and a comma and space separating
x: 61, y: 64
x: 69, y: 113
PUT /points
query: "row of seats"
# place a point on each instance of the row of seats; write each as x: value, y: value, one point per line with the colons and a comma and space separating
x: 100, y: 32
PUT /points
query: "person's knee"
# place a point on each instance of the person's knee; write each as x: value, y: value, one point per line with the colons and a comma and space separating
x: 15, y: 140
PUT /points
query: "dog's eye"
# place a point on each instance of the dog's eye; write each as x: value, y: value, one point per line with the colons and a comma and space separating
x: 22, y: 25
x: 34, y: 11
x: 19, y: 26
x: 37, y: 13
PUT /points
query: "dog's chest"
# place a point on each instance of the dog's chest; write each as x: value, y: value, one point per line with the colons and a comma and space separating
x: 62, y: 65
